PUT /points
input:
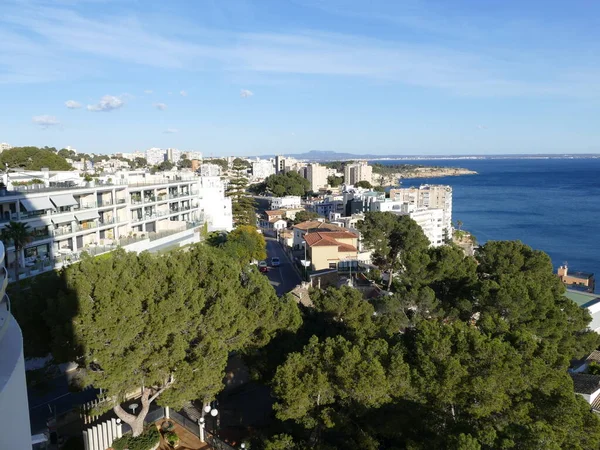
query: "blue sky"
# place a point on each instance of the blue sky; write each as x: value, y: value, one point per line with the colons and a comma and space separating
x: 287, y: 76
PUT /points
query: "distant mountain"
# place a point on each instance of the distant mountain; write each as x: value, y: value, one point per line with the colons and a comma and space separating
x: 328, y: 155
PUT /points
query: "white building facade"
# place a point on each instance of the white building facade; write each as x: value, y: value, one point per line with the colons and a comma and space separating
x: 287, y: 202
x: 262, y: 168
x: 361, y: 171
x: 316, y: 174
x: 428, y: 196
x: 120, y: 210
x: 210, y: 170
x: 155, y: 156
x: 14, y: 409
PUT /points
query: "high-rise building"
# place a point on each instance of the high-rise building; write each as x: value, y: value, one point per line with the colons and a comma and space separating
x: 428, y: 196
x: 14, y: 409
x: 173, y: 155
x: 262, y: 168
x: 316, y: 174
x: 155, y: 156
x: 361, y: 171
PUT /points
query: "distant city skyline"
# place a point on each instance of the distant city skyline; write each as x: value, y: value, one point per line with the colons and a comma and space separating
x: 263, y: 78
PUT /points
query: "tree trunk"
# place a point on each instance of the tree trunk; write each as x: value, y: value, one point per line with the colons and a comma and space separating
x: 390, y: 276
x: 135, y: 422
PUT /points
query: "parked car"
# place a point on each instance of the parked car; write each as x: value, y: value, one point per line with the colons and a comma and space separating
x: 275, y: 261
x: 263, y: 267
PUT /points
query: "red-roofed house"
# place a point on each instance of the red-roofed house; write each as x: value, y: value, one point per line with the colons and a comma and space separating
x: 326, y: 249
x: 311, y: 226
x: 273, y: 220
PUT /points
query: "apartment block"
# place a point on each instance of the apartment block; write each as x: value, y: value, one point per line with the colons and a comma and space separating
x: 137, y: 212
x: 361, y: 171
x: 210, y: 170
x: 287, y: 202
x: 428, y: 196
x: 316, y: 174
x: 262, y: 168
x: 155, y: 156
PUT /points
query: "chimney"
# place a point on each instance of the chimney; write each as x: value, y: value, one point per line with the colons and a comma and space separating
x: 562, y: 271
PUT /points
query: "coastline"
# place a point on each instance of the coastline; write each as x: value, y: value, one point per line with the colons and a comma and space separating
x: 391, y: 179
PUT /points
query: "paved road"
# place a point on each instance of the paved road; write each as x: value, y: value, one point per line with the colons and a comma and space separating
x: 283, y: 278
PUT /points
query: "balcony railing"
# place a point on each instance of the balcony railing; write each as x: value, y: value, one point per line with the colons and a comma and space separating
x: 88, y: 205
x: 103, y: 203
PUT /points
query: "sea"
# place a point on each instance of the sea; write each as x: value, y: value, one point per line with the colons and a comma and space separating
x: 549, y: 204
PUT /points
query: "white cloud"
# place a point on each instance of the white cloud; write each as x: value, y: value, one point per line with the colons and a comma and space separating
x: 482, y: 127
x: 148, y: 91
x: 43, y: 42
x: 183, y: 93
x: 72, y: 104
x: 107, y: 103
x: 171, y: 131
x: 45, y: 121
x: 160, y: 106
x: 245, y: 93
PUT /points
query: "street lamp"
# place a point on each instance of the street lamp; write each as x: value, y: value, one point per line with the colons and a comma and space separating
x: 208, y: 409
x: 304, y: 262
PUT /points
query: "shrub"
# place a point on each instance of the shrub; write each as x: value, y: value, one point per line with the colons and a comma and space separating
x: 147, y: 440
x: 172, y: 438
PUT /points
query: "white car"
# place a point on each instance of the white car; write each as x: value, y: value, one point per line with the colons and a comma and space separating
x: 275, y: 261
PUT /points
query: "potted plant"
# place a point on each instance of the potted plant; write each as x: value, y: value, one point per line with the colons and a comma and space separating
x: 172, y: 438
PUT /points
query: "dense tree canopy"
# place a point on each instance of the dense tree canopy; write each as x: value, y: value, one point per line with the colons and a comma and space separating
x: 334, y: 181
x: 146, y: 321
x: 219, y: 162
x: 364, y: 184
x: 244, y: 244
x: 462, y: 354
x: 33, y: 158
x: 288, y: 183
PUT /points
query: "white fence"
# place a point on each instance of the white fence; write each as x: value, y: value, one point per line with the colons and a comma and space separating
x: 102, y: 435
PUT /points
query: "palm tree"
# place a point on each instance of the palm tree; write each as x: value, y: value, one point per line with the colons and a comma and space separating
x: 20, y: 235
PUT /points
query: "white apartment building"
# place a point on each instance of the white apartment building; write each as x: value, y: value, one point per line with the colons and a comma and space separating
x: 192, y: 155
x: 14, y: 409
x: 287, y: 202
x: 4, y: 146
x: 428, y: 196
x: 210, y: 170
x: 361, y: 171
x: 132, y: 156
x: 137, y: 212
x: 316, y: 174
x: 262, y: 168
x: 173, y: 155
x: 155, y: 156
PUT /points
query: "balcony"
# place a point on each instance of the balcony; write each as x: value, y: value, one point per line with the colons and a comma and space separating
x: 88, y: 205
x: 62, y: 231
x: 8, y: 217
x: 86, y: 226
x: 103, y: 203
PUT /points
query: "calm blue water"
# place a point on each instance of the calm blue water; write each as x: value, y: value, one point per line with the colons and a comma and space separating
x: 550, y: 204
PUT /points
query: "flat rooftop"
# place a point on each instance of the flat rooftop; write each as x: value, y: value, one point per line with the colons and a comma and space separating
x: 583, y: 299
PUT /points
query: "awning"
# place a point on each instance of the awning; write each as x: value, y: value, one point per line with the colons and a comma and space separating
x: 87, y: 215
x: 63, y: 219
x: 36, y: 204
x: 37, y: 223
x: 63, y: 200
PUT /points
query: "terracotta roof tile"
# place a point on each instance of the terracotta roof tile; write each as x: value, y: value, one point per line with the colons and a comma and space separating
x: 324, y: 239
x: 274, y: 212
x: 311, y: 225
